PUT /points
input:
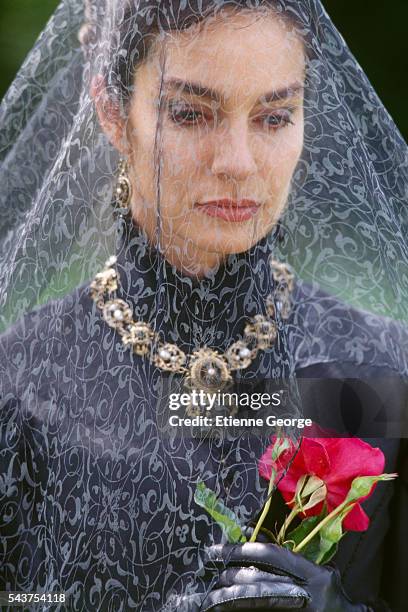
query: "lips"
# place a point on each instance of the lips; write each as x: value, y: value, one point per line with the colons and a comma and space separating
x: 230, y: 210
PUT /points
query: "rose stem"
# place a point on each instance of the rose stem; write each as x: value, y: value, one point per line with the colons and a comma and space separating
x: 324, y: 522
x: 294, y: 512
x: 266, y: 508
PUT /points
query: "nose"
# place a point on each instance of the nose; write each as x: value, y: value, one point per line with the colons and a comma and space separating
x: 233, y: 157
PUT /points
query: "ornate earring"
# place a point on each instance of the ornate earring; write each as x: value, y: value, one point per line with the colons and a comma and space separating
x: 123, y: 190
x: 280, y: 232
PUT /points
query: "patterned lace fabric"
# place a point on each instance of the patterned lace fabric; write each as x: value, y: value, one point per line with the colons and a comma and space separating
x: 94, y: 500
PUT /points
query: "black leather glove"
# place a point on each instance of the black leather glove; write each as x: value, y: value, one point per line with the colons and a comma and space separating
x: 261, y: 576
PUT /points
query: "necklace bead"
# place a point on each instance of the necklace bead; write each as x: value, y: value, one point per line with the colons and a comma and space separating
x: 207, y: 369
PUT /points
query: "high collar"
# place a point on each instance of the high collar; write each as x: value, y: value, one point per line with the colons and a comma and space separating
x: 192, y: 312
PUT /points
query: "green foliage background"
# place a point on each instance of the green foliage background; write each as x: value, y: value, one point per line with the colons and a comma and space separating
x: 376, y: 32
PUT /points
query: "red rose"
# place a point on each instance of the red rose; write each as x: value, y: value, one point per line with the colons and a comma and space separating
x: 336, y: 461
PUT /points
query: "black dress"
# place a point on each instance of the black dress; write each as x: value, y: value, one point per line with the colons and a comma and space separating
x: 95, y: 503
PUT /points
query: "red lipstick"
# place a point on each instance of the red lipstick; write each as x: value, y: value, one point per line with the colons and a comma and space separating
x: 230, y: 210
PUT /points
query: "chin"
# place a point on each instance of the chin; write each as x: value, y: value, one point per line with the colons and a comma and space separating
x: 225, y: 244
x: 236, y: 238
x: 227, y: 237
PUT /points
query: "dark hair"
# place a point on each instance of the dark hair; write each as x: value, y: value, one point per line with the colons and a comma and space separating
x: 134, y: 25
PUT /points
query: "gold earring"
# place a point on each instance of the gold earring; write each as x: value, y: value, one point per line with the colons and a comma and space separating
x: 123, y: 189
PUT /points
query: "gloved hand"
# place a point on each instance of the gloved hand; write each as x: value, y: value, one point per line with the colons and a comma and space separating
x: 260, y: 576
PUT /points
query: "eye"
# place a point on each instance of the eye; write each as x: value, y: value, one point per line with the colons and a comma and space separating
x: 182, y: 113
x: 276, y: 119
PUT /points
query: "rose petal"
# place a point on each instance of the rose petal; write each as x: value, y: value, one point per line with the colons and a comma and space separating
x: 337, y: 461
x: 356, y: 520
x: 315, y: 457
x: 352, y: 457
x: 265, y: 462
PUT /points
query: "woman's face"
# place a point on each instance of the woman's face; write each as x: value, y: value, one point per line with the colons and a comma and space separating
x: 221, y: 109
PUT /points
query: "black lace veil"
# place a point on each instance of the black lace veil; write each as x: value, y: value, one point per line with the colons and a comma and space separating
x: 111, y: 499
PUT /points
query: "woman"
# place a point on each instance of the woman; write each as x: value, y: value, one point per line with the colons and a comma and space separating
x: 235, y: 120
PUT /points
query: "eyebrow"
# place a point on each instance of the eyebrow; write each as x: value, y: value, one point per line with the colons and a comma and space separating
x: 197, y: 89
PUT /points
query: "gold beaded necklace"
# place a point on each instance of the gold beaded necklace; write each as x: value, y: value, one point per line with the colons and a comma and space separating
x: 205, y: 368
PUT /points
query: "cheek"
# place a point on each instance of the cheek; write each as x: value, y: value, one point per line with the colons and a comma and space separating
x: 143, y: 157
x: 184, y: 151
x: 185, y: 154
x: 279, y: 156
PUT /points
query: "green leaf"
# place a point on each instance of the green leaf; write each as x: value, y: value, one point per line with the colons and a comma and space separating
x: 329, y: 536
x: 333, y: 531
x: 316, y: 551
x: 298, y: 534
x: 319, y: 551
x: 311, y: 550
x: 226, y: 518
x: 328, y: 556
